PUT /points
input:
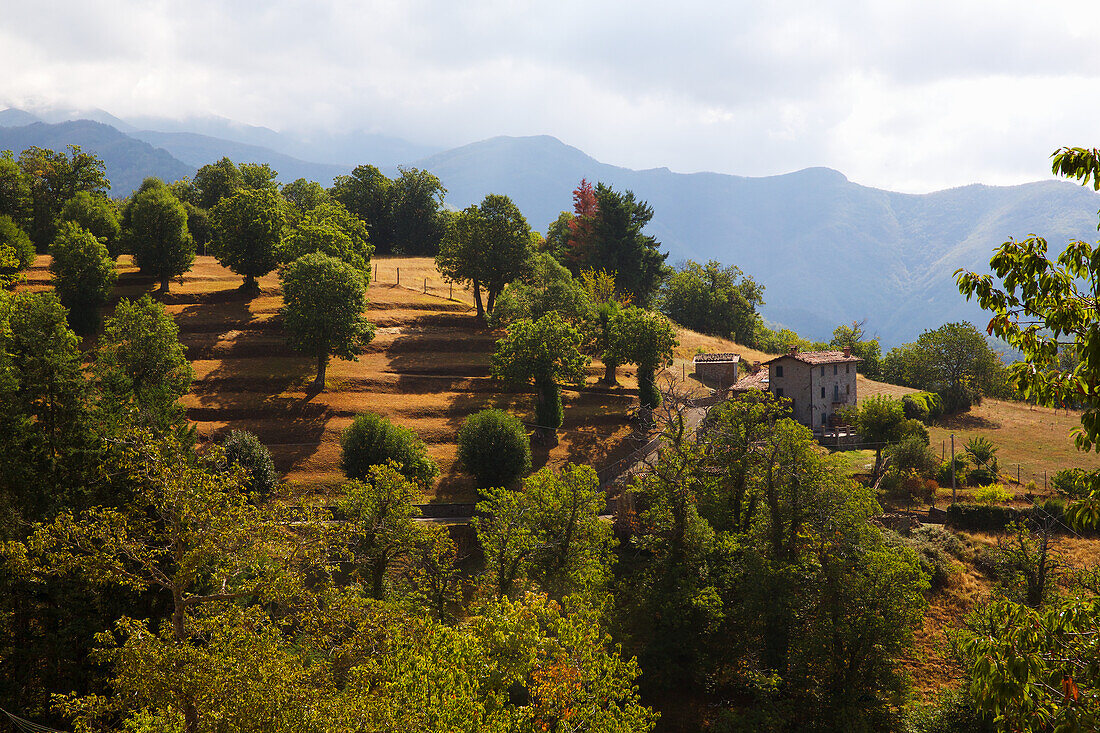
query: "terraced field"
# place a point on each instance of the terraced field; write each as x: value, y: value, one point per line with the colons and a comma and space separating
x: 427, y: 369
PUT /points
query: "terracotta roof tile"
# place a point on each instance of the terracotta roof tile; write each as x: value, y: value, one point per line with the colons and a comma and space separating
x: 752, y: 381
x: 818, y: 357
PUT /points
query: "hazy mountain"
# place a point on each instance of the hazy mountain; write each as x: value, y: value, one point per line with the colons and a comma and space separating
x: 345, y: 149
x: 16, y: 118
x: 827, y: 250
x: 128, y: 161
x: 198, y: 150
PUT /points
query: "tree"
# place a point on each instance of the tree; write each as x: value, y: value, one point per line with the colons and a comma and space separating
x: 217, y: 181
x: 488, y: 246
x: 189, y: 536
x: 96, y: 214
x: 248, y: 227
x: 556, y: 243
x: 493, y: 446
x: 954, y: 361
x: 580, y: 244
x: 367, y: 194
x: 141, y: 364
x: 157, y: 234
x: 305, y: 195
x: 245, y: 450
x: 16, y: 252
x: 644, y: 338
x: 380, y: 528
x: 43, y: 406
x: 622, y: 248
x: 324, y: 299
x: 83, y: 272
x: 53, y: 179
x: 712, y: 299
x: 868, y: 350
x: 333, y: 230
x: 544, y: 352
x: 15, y: 192
x: 259, y: 177
x: 417, y: 222
x: 372, y: 440
x: 880, y: 421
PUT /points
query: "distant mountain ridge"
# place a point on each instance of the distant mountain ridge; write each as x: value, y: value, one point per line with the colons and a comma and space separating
x: 827, y: 250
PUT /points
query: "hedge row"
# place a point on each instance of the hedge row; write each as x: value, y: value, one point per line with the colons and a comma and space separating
x: 923, y: 406
x: 994, y: 517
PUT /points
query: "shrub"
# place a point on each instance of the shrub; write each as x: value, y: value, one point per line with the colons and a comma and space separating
x: 245, y: 449
x: 945, y: 539
x: 992, y: 494
x: 907, y: 486
x: 923, y: 406
x: 943, y: 477
x: 912, y: 453
x: 980, y: 476
x: 985, y: 517
x: 371, y: 440
x: 934, y: 561
x: 1070, y: 482
x: 493, y: 446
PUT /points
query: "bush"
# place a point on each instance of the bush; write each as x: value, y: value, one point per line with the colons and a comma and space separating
x: 952, y: 712
x: 371, y: 440
x: 912, y: 453
x: 934, y: 561
x: 493, y: 447
x: 946, y: 540
x: 245, y: 449
x: 980, y: 476
x: 923, y: 406
x: 1071, y: 482
x: 992, y: 494
x: 985, y: 517
x: 943, y: 477
x: 907, y: 486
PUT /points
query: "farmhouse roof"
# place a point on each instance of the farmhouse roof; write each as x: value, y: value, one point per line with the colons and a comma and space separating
x: 818, y: 357
x: 721, y: 356
x: 759, y: 380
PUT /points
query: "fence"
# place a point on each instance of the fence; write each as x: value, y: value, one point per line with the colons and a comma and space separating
x: 414, y: 279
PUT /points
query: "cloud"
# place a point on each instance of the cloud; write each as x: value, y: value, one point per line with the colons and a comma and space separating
x: 905, y: 95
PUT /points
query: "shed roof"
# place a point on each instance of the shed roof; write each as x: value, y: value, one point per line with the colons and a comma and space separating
x: 727, y: 356
x: 752, y: 381
x: 818, y: 357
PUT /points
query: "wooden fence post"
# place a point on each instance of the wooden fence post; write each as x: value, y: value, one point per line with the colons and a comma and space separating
x: 398, y: 275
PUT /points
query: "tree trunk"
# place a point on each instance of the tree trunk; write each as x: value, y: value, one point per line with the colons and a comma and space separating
x: 179, y: 635
x: 609, y: 377
x: 477, y: 301
x: 250, y: 285
x: 322, y: 367
x: 490, y: 303
x: 164, y: 284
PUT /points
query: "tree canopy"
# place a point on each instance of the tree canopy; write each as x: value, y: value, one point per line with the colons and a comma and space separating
x: 84, y: 274
x: 248, y: 227
x: 713, y: 299
x: 157, y: 234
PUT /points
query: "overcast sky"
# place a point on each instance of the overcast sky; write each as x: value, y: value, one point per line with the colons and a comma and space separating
x: 910, y: 96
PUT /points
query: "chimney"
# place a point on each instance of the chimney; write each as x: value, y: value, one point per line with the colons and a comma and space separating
x: 847, y: 351
x: 792, y: 349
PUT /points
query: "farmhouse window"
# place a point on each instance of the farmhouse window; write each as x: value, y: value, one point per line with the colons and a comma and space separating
x: 779, y: 392
x: 823, y: 370
x: 779, y: 373
x: 834, y: 369
x: 822, y: 393
x: 836, y: 391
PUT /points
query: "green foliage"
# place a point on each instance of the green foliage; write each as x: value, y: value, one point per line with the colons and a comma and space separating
x: 331, y: 229
x: 247, y: 231
x: 52, y: 179
x: 97, y: 214
x: 366, y: 193
x: 216, y: 181
x: 16, y: 252
x: 417, y: 220
x: 259, y: 177
x: 992, y: 494
x: 156, y: 233
x: 488, y: 246
x: 199, y: 226
x: 324, y: 299
x: 245, y: 450
x: 923, y: 406
x: 868, y: 350
x: 988, y: 517
x: 305, y: 195
x: 84, y: 274
x: 548, y: 287
x: 712, y: 299
x: 15, y: 192
x: 141, y: 365
x: 879, y: 420
x: 935, y: 562
x: 545, y: 352
x: 493, y: 446
x: 777, y: 342
x: 621, y: 248
x: 372, y: 440
x: 379, y: 511
x: 913, y: 453
x: 952, y: 711
x: 954, y: 361
x: 1071, y: 482
x: 641, y: 337
x: 47, y: 454
x: 549, y: 534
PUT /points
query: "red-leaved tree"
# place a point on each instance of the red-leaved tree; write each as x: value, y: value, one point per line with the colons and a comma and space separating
x: 582, y: 226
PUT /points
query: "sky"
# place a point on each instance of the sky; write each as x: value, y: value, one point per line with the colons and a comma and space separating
x: 908, y: 96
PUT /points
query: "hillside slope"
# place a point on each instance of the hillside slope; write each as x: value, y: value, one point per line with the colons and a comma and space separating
x: 128, y: 160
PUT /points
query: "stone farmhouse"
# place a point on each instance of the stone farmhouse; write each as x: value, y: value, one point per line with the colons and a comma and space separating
x: 718, y: 370
x: 819, y: 384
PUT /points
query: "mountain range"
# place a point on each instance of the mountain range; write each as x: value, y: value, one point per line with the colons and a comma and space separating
x: 827, y: 250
